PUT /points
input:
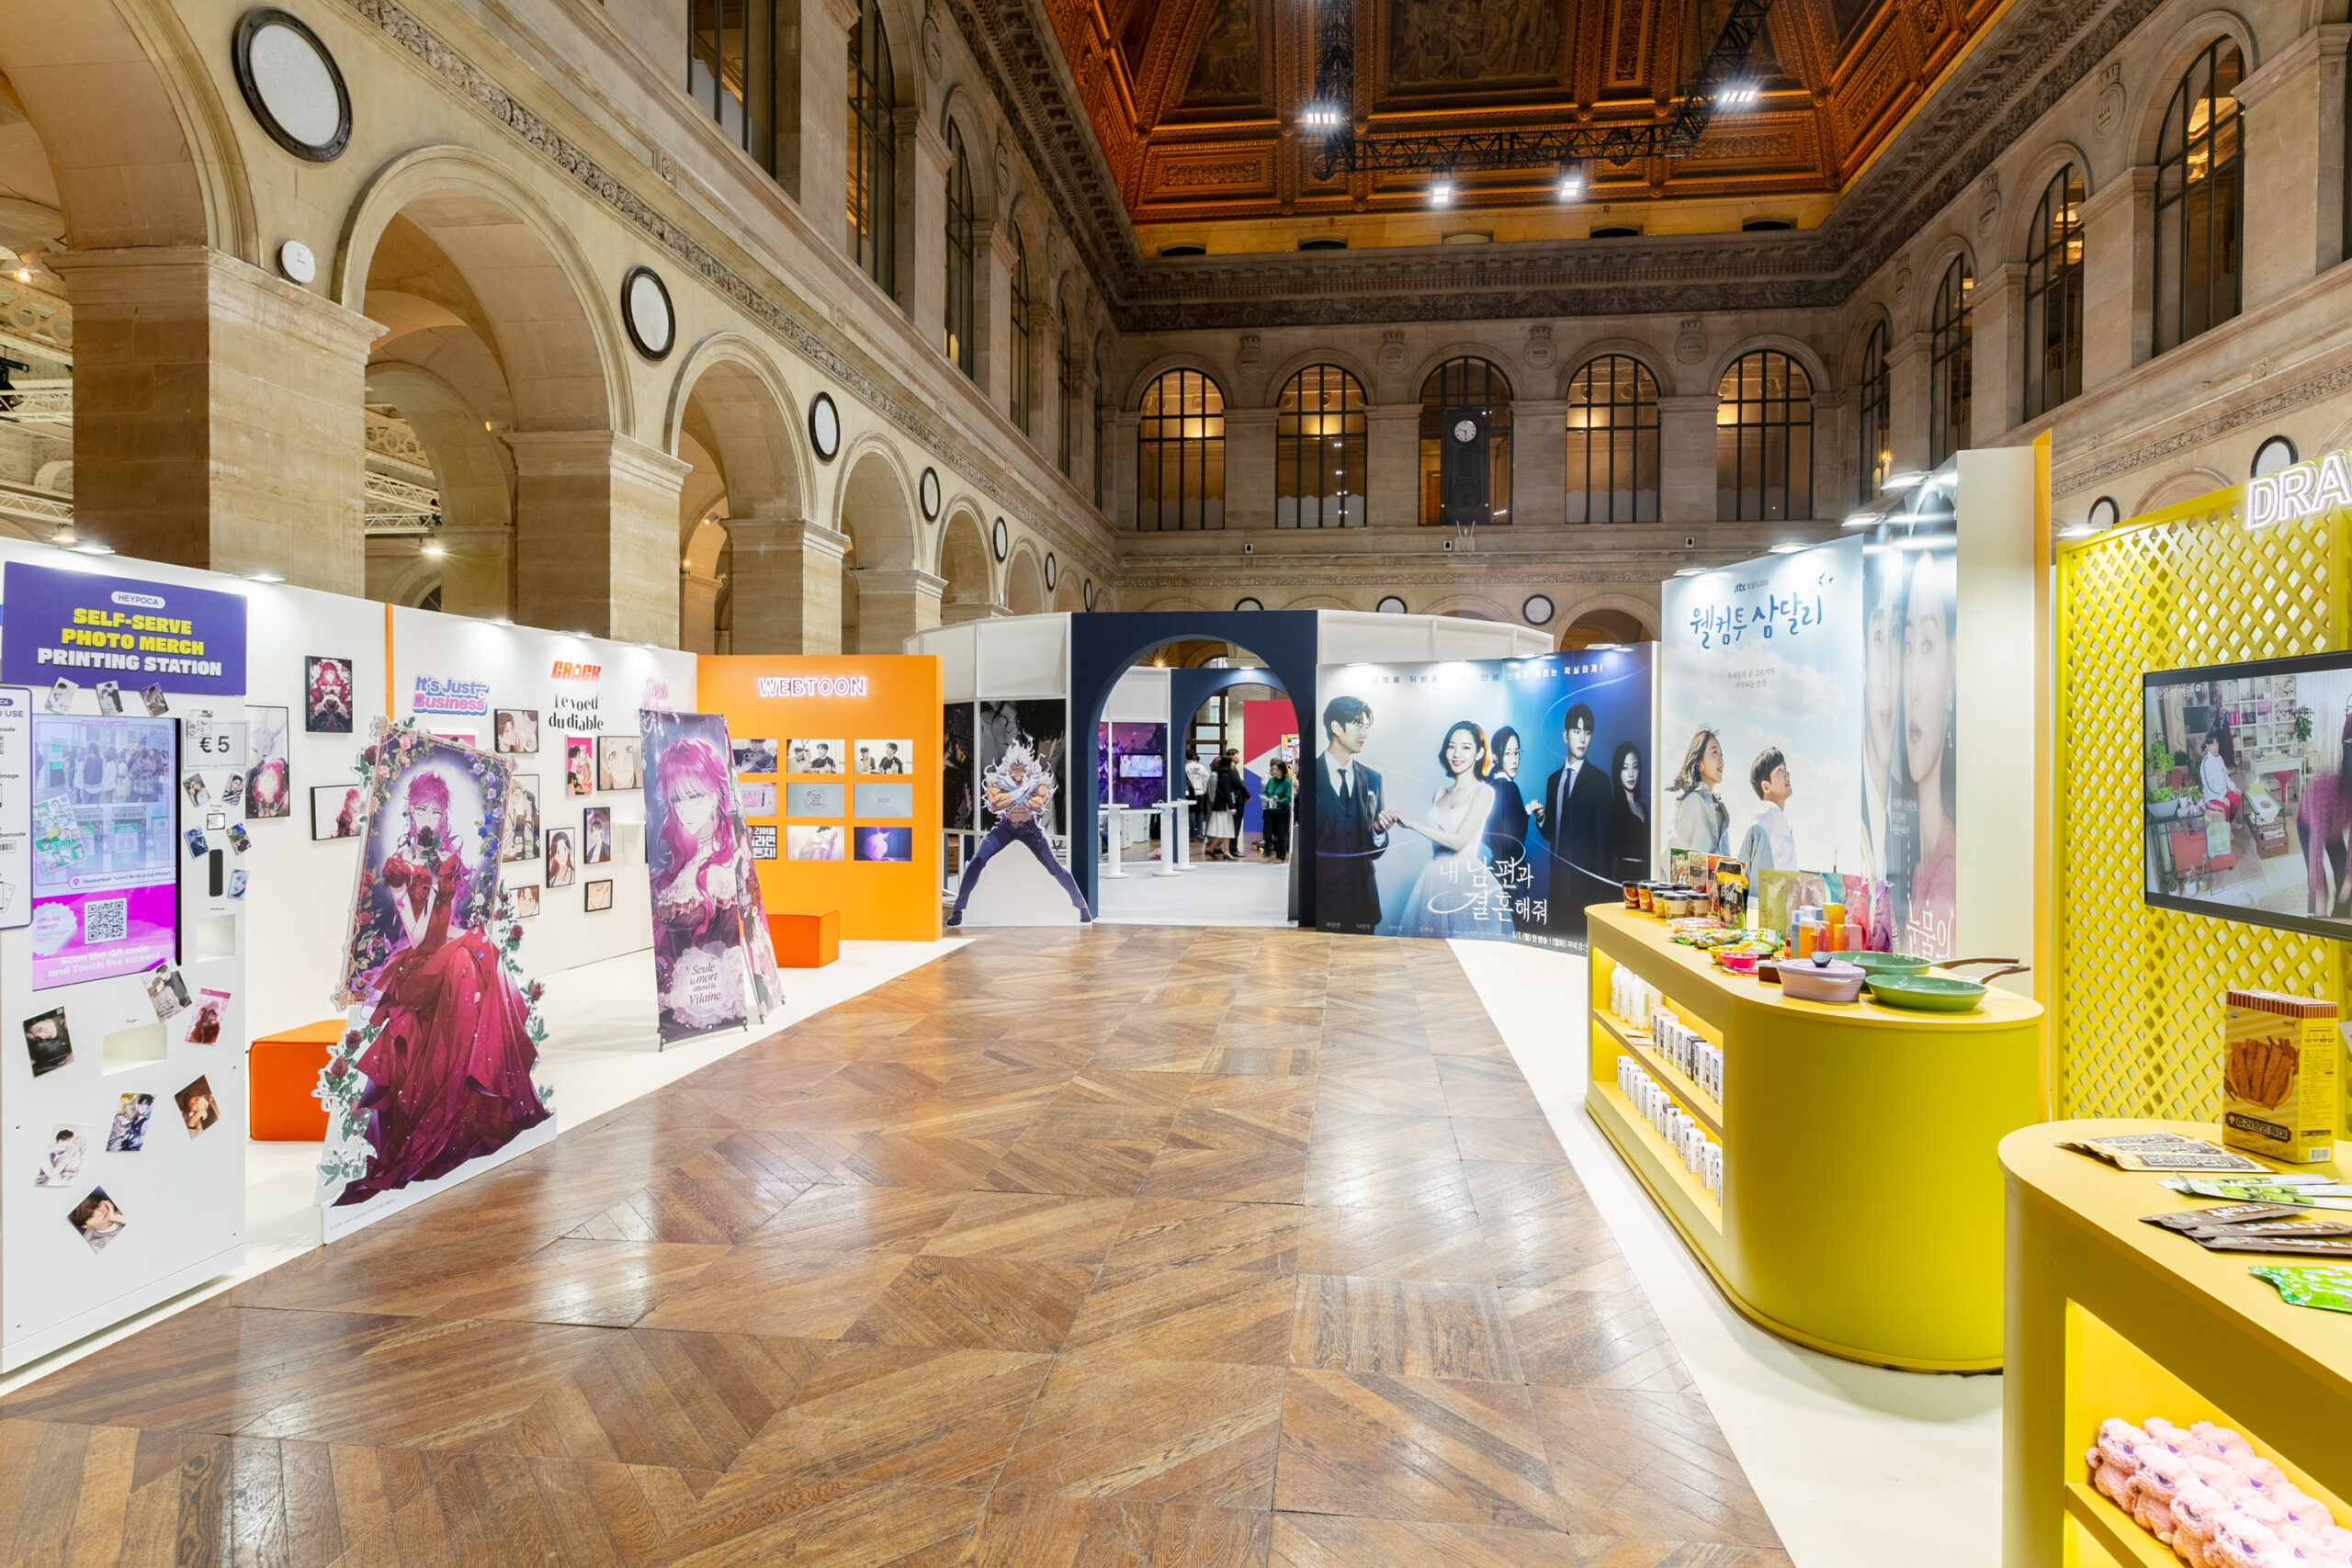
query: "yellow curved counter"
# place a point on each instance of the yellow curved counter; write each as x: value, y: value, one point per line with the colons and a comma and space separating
x: 1861, y: 1201
x: 2109, y: 1317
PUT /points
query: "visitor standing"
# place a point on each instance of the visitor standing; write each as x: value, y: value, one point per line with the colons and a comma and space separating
x: 1273, y: 840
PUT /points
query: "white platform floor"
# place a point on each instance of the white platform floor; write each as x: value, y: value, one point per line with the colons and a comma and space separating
x: 1859, y: 1467
x: 1249, y: 893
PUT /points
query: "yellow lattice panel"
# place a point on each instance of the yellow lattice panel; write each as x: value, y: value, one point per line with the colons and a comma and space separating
x: 2136, y: 1029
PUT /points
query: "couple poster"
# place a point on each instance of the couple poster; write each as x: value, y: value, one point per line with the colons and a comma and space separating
x: 714, y: 962
x: 1491, y: 798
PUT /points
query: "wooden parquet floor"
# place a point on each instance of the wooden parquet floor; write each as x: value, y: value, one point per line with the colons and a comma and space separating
x: 1121, y: 1247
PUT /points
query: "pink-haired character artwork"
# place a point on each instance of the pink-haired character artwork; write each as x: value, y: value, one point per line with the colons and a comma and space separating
x: 698, y: 876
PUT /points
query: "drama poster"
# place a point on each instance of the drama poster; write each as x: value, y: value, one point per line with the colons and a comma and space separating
x: 956, y: 776
x: 1760, y: 712
x: 1910, y: 734
x: 434, y: 1072
x: 1040, y: 726
x: 1491, y: 798
x: 699, y: 862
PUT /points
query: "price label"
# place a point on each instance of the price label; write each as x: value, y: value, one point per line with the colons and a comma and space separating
x: 212, y: 743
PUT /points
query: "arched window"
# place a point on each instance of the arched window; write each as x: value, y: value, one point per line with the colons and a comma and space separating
x: 1874, y: 422
x: 873, y: 150
x: 1101, y: 417
x: 1320, y: 451
x: 1025, y: 363
x: 1466, y: 444
x: 1764, y: 440
x: 730, y: 72
x: 1951, y: 350
x: 1612, y: 442
x: 2200, y: 199
x: 2054, y: 295
x: 1065, y: 372
x: 957, y: 339
x: 1179, y: 453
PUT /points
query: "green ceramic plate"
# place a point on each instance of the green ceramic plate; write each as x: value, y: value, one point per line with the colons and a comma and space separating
x: 1925, y: 993
x: 1888, y: 962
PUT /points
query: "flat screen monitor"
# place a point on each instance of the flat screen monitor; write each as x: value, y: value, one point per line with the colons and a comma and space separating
x: 105, y: 846
x: 2247, y: 792
x: 1142, y: 766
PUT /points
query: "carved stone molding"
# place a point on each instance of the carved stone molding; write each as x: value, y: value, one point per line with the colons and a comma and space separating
x: 2329, y: 383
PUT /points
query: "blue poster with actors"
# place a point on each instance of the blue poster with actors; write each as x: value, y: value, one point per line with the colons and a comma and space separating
x: 1488, y: 798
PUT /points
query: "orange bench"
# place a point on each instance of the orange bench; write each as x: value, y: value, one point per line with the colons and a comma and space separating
x: 805, y: 941
x: 282, y: 1081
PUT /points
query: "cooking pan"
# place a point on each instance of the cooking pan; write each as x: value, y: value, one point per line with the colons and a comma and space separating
x: 1934, y: 993
x: 1876, y: 963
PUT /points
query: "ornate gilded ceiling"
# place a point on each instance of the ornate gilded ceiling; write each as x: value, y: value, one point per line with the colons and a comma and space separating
x: 1195, y: 103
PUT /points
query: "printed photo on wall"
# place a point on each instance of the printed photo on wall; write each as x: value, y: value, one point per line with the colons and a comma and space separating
x: 47, y: 1039
x: 885, y: 843
x: 1492, y: 799
x: 326, y: 695
x: 518, y: 731
x: 61, y: 696
x: 109, y: 698
x: 128, y: 1136
x: 755, y: 757
x: 884, y: 756
x: 232, y: 790
x: 617, y: 762
x: 813, y: 756
x: 527, y: 900
x: 886, y: 800
x: 166, y: 992
x: 562, y: 861
x: 1040, y: 726
x: 596, y: 834
x: 337, y: 811
x: 812, y: 843
x: 763, y: 840
x: 814, y: 800
x: 599, y: 896
x: 579, y: 764
x: 199, y: 1109
x: 62, y: 1155
x: 158, y: 705
x: 700, y: 871
x: 957, y: 780
x: 756, y: 799
x: 523, y: 817
x: 436, y: 1066
x: 98, y: 1219
x: 211, y: 1015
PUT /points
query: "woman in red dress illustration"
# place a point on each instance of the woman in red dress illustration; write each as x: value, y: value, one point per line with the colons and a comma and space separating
x: 450, y: 1073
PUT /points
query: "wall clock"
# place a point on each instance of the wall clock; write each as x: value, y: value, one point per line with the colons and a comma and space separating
x: 1000, y: 540
x: 1392, y: 605
x: 825, y: 426
x: 1053, y: 571
x: 292, y: 86
x: 645, y: 311
x: 1089, y: 593
x: 1249, y: 605
x: 927, y: 489
x: 1538, y: 609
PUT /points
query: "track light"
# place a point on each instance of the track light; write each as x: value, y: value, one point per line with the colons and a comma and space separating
x: 1572, y: 182
x: 1321, y: 117
x: 1441, y: 189
x: 1734, y: 95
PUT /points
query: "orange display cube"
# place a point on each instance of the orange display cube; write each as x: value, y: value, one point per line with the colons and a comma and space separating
x: 282, y: 1080
x: 809, y: 940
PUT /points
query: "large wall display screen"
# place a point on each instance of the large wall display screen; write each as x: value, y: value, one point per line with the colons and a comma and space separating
x: 106, y: 849
x: 2246, y: 790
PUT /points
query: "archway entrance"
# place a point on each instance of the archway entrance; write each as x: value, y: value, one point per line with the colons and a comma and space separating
x: 1602, y: 626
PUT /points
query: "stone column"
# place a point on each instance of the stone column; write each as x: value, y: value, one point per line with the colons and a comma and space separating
x: 922, y: 224
x: 1996, y: 335
x: 1393, y: 454
x: 1121, y: 502
x: 697, y: 604
x: 1837, y: 452
x: 812, y: 111
x: 1686, y: 458
x: 1539, y: 461
x: 596, y: 535
x: 1249, y: 467
x: 2119, y: 274
x: 478, y: 570
x: 993, y: 311
x: 975, y: 610
x: 787, y: 585
x: 893, y: 604
x: 219, y: 415
x: 2294, y: 172
x: 1908, y: 359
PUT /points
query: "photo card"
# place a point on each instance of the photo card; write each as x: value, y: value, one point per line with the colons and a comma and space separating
x: 166, y: 991
x: 158, y: 705
x: 97, y: 1218
x: 109, y: 698
x: 199, y: 1109
x: 211, y: 1015
x: 46, y: 1040
x: 62, y: 1155
x: 128, y: 1136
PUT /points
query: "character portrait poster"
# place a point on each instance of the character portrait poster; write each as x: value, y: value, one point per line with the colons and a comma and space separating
x: 1910, y: 729
x: 706, y: 889
x: 435, y: 1070
x: 1485, y: 799
x: 1042, y: 724
x: 1760, y: 712
x: 958, y: 780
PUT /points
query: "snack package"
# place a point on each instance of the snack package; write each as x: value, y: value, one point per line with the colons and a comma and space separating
x: 2280, y: 1095
x: 2326, y: 1287
x: 2228, y: 1215
x: 2164, y: 1151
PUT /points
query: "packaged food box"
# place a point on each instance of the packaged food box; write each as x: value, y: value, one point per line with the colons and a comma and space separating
x: 2281, y: 1096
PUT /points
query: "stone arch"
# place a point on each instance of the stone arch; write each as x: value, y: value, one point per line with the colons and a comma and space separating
x: 1468, y: 349
x: 142, y: 148
x: 2173, y: 60
x: 1931, y: 279
x: 1132, y: 401
x: 970, y: 583
x: 2184, y: 484
x: 556, y: 339
x: 730, y: 394
x: 1320, y: 602
x: 1621, y: 616
x: 1652, y: 359
x: 1024, y: 583
x: 1271, y: 389
x: 1472, y: 607
x: 2016, y: 224
x: 1177, y: 602
x: 885, y: 594
x: 1796, y: 348
x: 474, y: 475
x: 408, y: 580
x: 1070, y: 593
x: 1868, y: 318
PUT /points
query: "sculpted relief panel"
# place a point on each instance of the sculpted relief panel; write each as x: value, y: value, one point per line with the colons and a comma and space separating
x: 1434, y: 43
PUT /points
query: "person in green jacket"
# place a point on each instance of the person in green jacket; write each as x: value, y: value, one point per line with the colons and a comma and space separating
x: 1273, y: 801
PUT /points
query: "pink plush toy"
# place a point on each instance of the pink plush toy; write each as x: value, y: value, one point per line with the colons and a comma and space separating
x: 2197, y: 1511
x: 2113, y: 1463
x: 2242, y: 1542
x: 2205, y: 1493
x: 2159, y: 1479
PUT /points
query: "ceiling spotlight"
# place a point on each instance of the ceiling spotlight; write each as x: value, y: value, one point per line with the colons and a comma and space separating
x: 429, y: 548
x: 1571, y: 182
x: 264, y: 575
x: 1733, y: 93
x: 65, y: 535
x: 1690, y: 571
x: 94, y: 550
x: 1322, y: 117
x: 1441, y: 189
x: 1787, y: 547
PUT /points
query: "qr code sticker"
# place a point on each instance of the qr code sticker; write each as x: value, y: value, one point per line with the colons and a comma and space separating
x: 107, y: 920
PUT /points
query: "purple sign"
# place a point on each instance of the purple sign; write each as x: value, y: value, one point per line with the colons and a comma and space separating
x: 86, y: 628
x: 105, y: 856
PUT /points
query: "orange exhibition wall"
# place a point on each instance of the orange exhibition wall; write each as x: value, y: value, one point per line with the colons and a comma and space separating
x: 848, y: 703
